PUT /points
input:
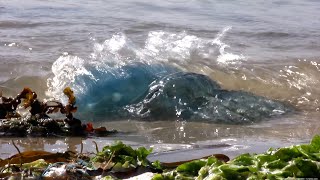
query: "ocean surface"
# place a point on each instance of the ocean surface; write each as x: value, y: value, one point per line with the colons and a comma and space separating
x: 110, y: 52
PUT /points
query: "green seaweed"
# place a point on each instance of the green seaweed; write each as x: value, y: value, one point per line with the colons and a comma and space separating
x: 119, y: 157
x: 299, y: 161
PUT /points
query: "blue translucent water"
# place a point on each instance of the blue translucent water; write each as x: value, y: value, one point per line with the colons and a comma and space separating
x: 191, y: 96
x: 153, y: 92
x: 117, y: 88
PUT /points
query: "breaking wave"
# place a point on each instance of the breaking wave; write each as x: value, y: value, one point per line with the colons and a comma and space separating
x: 121, y: 79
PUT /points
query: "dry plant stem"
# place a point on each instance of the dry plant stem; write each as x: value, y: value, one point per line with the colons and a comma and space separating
x: 97, y: 149
x: 6, y: 167
x: 18, y: 152
x: 81, y: 148
x: 110, y: 159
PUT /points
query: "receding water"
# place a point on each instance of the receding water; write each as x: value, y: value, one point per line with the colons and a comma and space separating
x: 267, y: 48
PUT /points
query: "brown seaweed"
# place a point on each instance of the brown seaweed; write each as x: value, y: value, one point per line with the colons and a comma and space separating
x: 39, y: 123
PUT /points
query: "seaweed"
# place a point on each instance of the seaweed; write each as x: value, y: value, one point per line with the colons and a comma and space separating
x: 298, y: 161
x: 38, y: 122
x: 120, y: 161
x: 115, y: 161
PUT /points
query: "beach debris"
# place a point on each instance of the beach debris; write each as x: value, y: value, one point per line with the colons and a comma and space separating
x: 115, y: 161
x: 30, y: 164
x: 62, y: 170
x: 38, y: 122
x: 31, y: 156
x: 168, y: 165
x: 120, y: 161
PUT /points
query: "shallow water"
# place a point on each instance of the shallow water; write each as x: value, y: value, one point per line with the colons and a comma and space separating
x: 267, y: 48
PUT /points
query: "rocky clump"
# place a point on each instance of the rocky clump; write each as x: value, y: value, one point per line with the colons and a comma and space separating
x: 38, y: 122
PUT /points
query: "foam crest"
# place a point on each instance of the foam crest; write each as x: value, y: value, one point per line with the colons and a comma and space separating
x: 226, y: 57
x: 114, y: 52
x: 66, y: 69
x: 184, y: 48
x: 165, y: 47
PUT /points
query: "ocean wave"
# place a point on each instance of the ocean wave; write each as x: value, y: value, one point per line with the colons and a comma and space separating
x: 177, y: 50
x: 122, y: 80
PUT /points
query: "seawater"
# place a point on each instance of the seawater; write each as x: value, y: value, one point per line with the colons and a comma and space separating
x: 269, y: 49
